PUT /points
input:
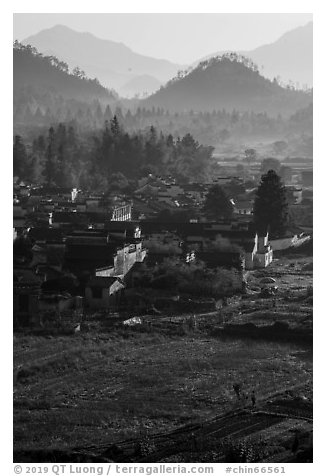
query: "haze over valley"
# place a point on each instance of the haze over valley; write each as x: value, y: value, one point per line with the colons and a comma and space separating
x: 219, y: 99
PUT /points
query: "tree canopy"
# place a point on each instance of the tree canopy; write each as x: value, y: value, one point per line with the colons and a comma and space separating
x: 109, y: 157
x: 270, y: 164
x: 250, y: 155
x: 19, y: 157
x: 271, y: 207
x: 217, y: 204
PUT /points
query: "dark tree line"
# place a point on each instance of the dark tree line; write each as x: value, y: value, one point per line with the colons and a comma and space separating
x: 66, y: 158
x: 218, y: 127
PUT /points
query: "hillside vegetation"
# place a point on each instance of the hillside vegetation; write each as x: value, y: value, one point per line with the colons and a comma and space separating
x: 280, y: 59
x: 231, y: 82
x: 43, y: 83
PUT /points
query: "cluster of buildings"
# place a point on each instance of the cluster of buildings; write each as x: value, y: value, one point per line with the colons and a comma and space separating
x: 76, y: 249
x: 71, y: 249
x: 157, y: 194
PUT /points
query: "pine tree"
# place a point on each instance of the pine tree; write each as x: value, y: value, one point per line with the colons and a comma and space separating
x: 61, y: 176
x: 217, y: 205
x: 119, y: 114
x: 271, y: 207
x: 115, y: 127
x: 50, y: 164
x: 19, y: 156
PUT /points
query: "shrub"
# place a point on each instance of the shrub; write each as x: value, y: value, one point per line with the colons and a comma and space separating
x: 145, y: 446
x: 195, y: 278
x: 245, y: 451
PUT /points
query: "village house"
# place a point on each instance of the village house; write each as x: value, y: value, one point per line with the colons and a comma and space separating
x: 81, y: 206
x: 103, y: 292
x: 196, y: 192
x: 164, y: 195
x: 74, y: 194
x: 51, y: 193
x: 260, y: 255
x: 147, y: 190
x: 48, y: 247
x: 30, y: 302
x: 119, y: 247
x: 155, y: 240
x: 49, y: 254
x: 47, y: 205
x: 19, y: 218
x: 227, y: 179
x: 243, y: 207
x: 143, y: 209
x: 152, y: 180
x: 105, y: 271
x: 294, y: 194
x: 68, y: 220
x: 87, y: 250
x: 121, y: 212
x: 125, y: 230
x: 93, y: 202
x: 45, y: 235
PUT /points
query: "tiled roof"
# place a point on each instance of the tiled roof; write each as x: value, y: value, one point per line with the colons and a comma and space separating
x: 103, y: 282
x: 25, y: 276
x: 45, y: 234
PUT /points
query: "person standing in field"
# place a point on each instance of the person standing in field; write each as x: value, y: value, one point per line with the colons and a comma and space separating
x: 237, y: 389
x: 253, y: 398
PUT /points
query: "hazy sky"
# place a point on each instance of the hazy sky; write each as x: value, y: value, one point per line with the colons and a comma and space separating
x: 179, y: 37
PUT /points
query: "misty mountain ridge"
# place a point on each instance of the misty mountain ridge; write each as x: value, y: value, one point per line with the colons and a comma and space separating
x: 44, y: 89
x: 114, y: 64
x: 43, y: 73
x: 227, y: 82
x: 290, y: 57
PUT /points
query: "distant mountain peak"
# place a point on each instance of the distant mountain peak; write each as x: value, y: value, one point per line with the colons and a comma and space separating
x: 113, y: 63
x: 281, y: 59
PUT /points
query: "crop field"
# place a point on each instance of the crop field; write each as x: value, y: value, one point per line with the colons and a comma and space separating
x: 99, y: 388
x: 75, y: 391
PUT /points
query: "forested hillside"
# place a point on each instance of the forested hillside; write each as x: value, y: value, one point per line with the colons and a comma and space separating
x: 45, y: 88
x: 227, y: 82
x: 281, y: 60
